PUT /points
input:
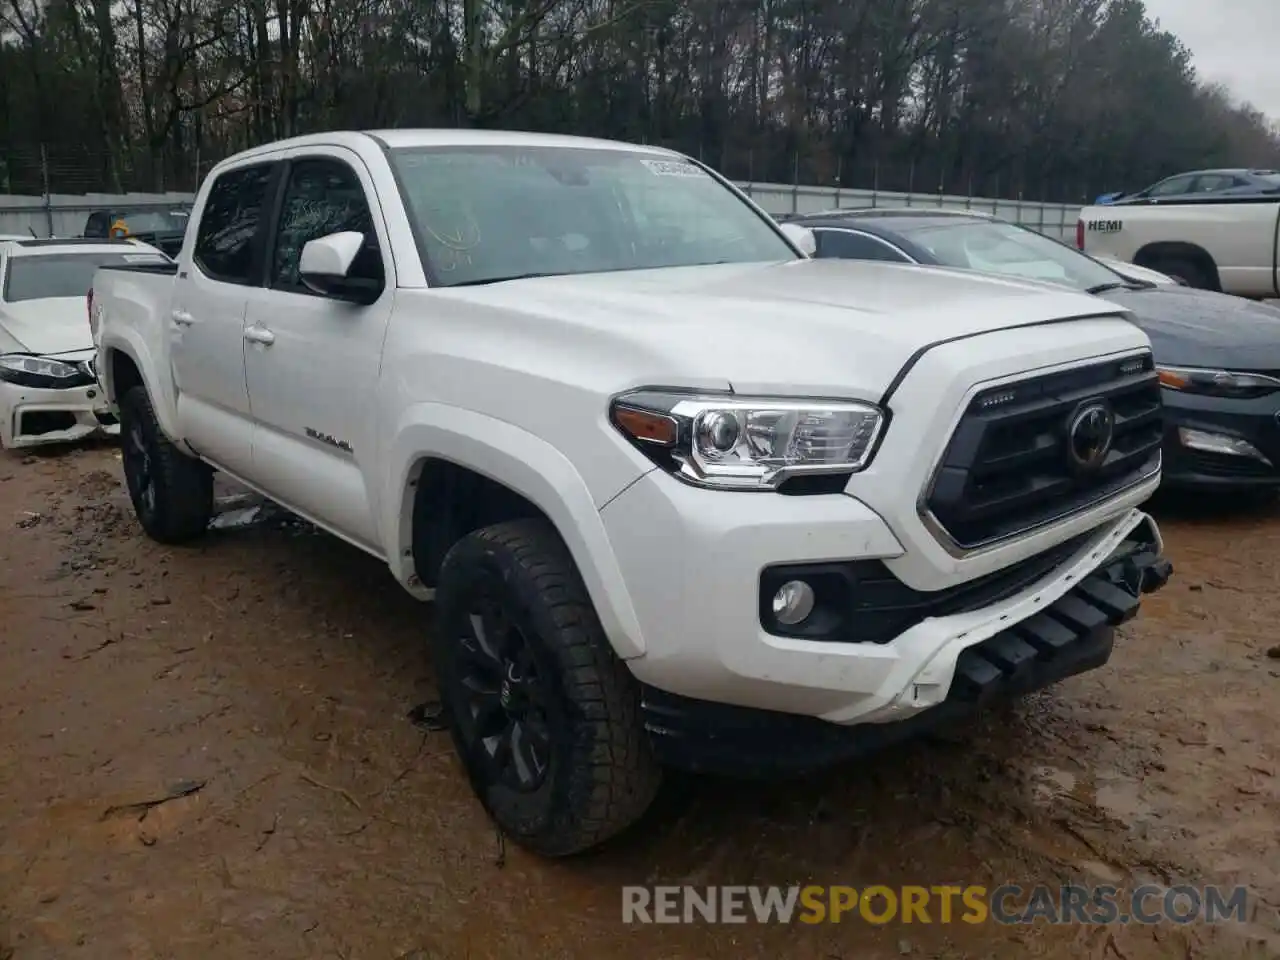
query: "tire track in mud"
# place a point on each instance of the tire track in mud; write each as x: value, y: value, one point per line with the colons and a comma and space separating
x: 275, y: 666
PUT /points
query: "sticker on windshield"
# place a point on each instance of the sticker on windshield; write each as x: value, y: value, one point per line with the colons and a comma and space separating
x: 673, y: 168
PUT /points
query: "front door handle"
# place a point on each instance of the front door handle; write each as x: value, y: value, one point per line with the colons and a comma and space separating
x: 259, y: 335
x: 182, y: 318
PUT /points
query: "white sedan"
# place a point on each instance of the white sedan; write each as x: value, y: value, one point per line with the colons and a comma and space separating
x: 48, y: 390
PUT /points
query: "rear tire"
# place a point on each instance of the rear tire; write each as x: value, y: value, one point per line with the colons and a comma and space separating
x: 172, y: 493
x: 545, y: 718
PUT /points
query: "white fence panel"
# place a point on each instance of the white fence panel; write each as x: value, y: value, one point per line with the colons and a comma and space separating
x: 1053, y: 219
x: 64, y: 215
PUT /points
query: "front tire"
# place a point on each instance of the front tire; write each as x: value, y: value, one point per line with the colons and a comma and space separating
x: 544, y: 716
x: 172, y: 493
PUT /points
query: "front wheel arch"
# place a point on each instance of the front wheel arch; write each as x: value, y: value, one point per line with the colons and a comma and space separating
x: 533, y: 473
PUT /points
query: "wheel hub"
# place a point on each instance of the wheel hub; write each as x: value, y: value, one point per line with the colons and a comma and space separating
x: 504, y: 696
x: 510, y: 692
x: 139, y: 459
x: 505, y: 704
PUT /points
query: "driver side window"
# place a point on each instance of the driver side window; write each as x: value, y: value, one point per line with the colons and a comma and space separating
x: 323, y: 196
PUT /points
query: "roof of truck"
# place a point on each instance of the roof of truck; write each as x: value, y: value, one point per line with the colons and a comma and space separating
x: 500, y: 138
x: 443, y: 137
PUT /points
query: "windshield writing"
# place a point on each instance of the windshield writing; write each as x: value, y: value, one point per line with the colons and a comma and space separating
x: 484, y: 214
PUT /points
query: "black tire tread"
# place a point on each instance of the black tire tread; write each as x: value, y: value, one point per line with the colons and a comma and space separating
x: 615, y: 777
x: 184, y: 485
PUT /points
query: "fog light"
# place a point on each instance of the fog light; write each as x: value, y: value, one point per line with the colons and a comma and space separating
x: 1220, y: 443
x: 793, y: 602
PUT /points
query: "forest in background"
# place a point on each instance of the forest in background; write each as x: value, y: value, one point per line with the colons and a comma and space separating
x: 1039, y: 99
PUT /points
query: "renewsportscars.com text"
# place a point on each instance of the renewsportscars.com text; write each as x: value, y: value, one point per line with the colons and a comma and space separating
x: 1007, y: 904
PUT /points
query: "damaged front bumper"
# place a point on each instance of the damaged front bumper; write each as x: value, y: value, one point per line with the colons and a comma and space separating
x: 1073, y: 634
x: 36, y: 416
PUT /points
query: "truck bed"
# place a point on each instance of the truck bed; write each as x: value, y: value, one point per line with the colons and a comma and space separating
x: 1220, y: 242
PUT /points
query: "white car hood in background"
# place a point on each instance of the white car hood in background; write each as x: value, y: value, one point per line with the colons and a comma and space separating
x: 45, y: 327
x: 1135, y: 272
x: 819, y: 325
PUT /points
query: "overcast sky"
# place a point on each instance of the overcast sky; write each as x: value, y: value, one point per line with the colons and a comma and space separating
x: 1233, y: 42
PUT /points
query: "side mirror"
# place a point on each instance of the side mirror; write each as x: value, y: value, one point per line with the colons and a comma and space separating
x: 802, y: 237
x: 325, y: 266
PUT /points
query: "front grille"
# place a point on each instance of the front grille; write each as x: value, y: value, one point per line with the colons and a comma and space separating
x: 1007, y: 468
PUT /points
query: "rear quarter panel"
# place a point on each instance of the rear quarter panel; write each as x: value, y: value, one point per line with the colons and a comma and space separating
x: 133, y: 319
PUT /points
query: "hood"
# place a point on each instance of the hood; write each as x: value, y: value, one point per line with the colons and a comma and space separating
x: 1132, y: 271
x: 816, y: 326
x: 1199, y: 328
x: 46, y: 327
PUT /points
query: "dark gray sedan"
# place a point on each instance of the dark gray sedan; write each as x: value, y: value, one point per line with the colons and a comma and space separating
x: 1218, y: 355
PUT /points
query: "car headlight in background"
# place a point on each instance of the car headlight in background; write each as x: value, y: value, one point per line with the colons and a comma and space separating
x: 1217, y: 383
x: 739, y: 443
x: 26, y: 370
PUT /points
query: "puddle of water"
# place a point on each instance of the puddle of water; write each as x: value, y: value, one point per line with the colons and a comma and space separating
x: 237, y: 519
x: 242, y: 511
x: 1118, y: 798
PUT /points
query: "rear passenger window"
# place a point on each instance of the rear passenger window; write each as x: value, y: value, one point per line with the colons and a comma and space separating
x: 230, y: 222
x: 853, y: 246
x: 1212, y: 183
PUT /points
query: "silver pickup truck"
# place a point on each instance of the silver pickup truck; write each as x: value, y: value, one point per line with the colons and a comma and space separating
x: 1209, y: 241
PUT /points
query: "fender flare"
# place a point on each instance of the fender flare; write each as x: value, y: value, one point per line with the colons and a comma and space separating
x: 530, y: 467
x: 160, y: 390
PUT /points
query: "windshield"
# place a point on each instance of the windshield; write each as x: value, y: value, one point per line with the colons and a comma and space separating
x: 1004, y: 248
x: 483, y: 214
x: 152, y: 221
x: 62, y: 274
x: 1272, y: 179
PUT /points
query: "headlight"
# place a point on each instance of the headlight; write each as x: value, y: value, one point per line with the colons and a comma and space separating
x: 748, y: 443
x: 40, y: 372
x: 1217, y: 383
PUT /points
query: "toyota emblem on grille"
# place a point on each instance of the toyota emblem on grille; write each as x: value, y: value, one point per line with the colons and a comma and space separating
x: 1089, y: 434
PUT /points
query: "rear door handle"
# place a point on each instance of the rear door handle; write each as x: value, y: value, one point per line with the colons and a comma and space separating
x: 259, y: 335
x: 182, y: 318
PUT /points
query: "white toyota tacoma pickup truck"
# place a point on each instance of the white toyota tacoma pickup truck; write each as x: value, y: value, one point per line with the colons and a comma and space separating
x: 1213, y: 242
x: 682, y: 495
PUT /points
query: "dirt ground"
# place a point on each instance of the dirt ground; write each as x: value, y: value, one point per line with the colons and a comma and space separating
x: 268, y: 673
